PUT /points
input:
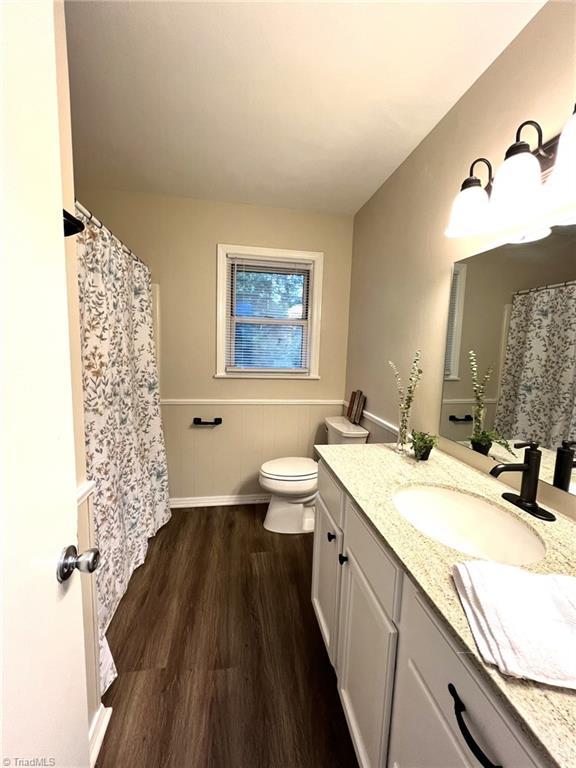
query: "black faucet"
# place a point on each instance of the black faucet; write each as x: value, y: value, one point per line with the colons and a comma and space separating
x: 564, y: 465
x: 530, y: 469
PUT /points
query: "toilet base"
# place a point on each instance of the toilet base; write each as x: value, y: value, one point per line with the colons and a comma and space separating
x: 284, y: 516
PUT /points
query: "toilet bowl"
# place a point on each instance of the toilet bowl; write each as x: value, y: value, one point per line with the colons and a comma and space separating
x: 292, y: 483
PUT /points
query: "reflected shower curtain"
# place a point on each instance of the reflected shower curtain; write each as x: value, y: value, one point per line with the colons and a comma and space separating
x: 125, y: 452
x: 538, y: 388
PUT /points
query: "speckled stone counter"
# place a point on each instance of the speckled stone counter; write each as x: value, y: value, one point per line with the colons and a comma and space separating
x: 371, y: 475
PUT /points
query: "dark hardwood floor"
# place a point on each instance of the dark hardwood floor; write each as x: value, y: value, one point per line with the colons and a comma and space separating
x: 220, y: 659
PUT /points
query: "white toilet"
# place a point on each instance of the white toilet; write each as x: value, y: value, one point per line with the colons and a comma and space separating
x: 293, y: 482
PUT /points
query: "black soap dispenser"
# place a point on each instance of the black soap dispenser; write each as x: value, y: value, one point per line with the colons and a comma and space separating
x: 564, y: 465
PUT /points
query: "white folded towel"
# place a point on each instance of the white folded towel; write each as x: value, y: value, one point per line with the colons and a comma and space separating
x: 523, y: 622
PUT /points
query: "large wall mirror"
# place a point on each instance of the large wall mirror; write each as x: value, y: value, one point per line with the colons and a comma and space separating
x: 515, y: 308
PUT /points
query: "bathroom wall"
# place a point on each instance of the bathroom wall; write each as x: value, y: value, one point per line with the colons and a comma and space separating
x: 401, y: 260
x: 262, y: 418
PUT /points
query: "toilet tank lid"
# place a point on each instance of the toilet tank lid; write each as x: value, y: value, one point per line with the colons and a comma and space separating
x: 345, y: 427
x: 296, y: 467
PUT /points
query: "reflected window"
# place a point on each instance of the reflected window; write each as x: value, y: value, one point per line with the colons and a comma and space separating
x: 455, y: 317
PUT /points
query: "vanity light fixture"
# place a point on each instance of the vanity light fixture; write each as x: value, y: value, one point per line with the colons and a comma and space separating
x: 560, y: 188
x: 470, y: 210
x: 517, y: 203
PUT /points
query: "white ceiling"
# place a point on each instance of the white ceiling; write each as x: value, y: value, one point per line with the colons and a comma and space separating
x: 304, y: 105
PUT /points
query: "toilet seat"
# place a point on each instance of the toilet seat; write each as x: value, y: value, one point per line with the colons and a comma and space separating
x: 290, y: 469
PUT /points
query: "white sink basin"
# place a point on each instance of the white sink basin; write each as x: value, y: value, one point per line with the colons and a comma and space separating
x: 470, y: 524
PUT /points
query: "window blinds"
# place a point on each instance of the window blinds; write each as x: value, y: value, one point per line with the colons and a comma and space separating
x: 268, y: 315
x: 455, y: 312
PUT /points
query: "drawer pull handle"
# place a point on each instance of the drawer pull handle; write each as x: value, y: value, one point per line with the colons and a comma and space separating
x: 459, y: 708
x: 467, y: 417
x: 330, y: 536
x: 342, y: 559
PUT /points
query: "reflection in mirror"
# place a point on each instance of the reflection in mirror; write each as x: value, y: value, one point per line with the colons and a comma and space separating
x: 515, y: 308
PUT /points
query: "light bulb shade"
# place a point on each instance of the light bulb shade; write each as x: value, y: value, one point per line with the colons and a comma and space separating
x: 531, y: 235
x: 469, y: 214
x: 517, y: 202
x: 560, y: 188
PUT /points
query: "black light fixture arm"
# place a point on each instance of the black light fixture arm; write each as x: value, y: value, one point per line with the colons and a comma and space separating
x: 535, y: 125
x: 523, y: 146
x: 474, y: 181
x: 488, y: 165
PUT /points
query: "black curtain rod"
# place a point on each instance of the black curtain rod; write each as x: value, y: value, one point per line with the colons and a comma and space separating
x: 93, y: 220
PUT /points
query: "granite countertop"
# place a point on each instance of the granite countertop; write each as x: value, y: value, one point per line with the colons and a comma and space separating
x: 371, y: 474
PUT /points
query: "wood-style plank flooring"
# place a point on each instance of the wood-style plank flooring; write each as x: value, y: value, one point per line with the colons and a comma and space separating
x: 220, y: 659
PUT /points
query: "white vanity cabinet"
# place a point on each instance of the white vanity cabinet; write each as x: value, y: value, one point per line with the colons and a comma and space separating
x: 394, y: 659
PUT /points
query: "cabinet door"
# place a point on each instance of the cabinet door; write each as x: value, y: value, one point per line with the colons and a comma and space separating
x: 420, y: 734
x: 426, y: 731
x: 326, y: 574
x: 366, y: 655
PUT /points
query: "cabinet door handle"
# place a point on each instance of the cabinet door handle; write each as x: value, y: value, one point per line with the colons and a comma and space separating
x: 459, y: 708
x: 342, y: 559
x: 330, y: 536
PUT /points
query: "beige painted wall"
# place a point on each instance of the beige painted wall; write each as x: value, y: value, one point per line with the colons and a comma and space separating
x: 177, y: 238
x: 401, y: 259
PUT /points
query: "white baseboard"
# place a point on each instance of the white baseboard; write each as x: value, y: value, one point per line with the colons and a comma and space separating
x: 97, y: 731
x: 219, y: 501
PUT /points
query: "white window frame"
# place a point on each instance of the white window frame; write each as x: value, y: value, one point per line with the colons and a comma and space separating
x: 314, y: 258
x: 454, y: 361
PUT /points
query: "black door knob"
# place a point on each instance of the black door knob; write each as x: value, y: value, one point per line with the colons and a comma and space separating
x: 342, y: 559
x: 330, y: 536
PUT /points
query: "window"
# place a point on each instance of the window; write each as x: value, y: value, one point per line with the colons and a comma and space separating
x: 455, y: 315
x: 268, y: 312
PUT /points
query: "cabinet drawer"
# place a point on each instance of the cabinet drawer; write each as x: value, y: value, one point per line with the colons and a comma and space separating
x: 380, y: 570
x: 331, y: 494
x: 427, y: 664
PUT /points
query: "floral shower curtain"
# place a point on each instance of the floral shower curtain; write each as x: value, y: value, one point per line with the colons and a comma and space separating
x: 125, y: 452
x: 538, y: 388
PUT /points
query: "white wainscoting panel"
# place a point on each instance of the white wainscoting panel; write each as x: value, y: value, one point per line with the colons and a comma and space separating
x: 223, y: 461
x: 385, y: 431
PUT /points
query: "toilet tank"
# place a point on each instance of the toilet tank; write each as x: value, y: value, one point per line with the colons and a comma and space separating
x: 340, y: 430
